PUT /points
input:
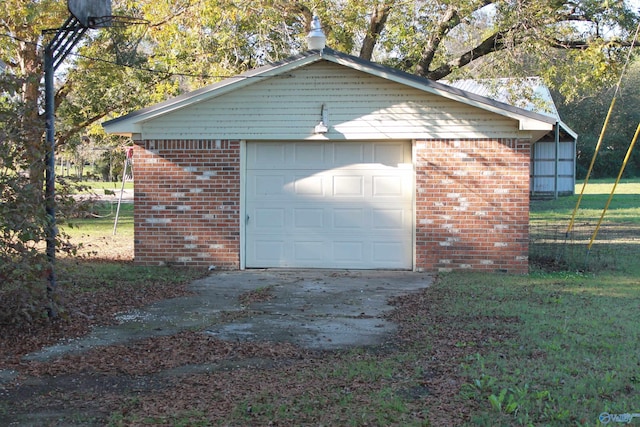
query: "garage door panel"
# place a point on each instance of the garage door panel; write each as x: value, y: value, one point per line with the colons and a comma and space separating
x: 308, y: 154
x: 348, y: 154
x: 268, y: 251
x: 348, y: 186
x: 272, y: 154
x: 310, y: 251
x: 305, y: 218
x: 388, y: 252
x: 326, y: 155
x: 308, y: 186
x: 388, y: 186
x: 266, y: 185
x: 348, y: 218
x: 342, y: 211
x: 388, y: 219
x: 269, y: 219
x: 388, y: 154
x: 349, y: 251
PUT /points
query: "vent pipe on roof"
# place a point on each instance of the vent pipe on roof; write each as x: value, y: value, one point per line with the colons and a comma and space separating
x: 316, y: 40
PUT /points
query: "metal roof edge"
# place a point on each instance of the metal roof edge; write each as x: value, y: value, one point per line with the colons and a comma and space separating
x: 567, y: 129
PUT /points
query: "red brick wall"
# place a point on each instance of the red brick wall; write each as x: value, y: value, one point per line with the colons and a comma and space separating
x: 472, y: 205
x: 187, y: 203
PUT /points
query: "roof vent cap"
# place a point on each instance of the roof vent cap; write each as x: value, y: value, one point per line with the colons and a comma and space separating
x: 316, y: 40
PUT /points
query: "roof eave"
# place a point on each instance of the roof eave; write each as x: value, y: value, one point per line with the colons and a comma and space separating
x: 568, y: 130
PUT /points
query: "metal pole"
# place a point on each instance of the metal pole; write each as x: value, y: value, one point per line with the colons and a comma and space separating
x: 65, y: 37
x: 557, y: 161
x: 50, y: 180
x: 124, y: 178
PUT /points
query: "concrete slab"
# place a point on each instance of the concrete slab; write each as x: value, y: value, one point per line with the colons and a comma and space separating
x: 316, y: 309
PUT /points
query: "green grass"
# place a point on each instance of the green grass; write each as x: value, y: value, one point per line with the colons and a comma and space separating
x: 347, y: 389
x: 585, y: 247
x: 98, y: 187
x: 624, y: 206
x: 573, y: 353
x: 101, y: 275
x: 101, y: 224
x: 604, y: 186
x: 101, y: 185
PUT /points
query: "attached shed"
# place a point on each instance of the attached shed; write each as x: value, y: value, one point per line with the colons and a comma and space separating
x: 328, y: 161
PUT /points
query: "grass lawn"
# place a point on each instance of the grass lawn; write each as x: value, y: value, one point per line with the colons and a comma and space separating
x: 571, y: 350
x: 557, y: 347
x: 95, y: 234
x: 101, y: 185
x: 624, y: 206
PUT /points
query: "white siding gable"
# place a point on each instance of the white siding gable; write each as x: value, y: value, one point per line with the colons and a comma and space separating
x: 358, y: 106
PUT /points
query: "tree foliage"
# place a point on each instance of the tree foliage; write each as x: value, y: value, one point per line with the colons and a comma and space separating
x: 22, y: 265
x: 588, y: 114
x: 572, y: 44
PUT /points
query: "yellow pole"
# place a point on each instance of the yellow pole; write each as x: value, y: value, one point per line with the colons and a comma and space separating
x: 593, y: 160
x: 613, y: 190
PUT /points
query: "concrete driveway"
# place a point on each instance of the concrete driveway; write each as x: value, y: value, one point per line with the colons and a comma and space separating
x: 316, y: 309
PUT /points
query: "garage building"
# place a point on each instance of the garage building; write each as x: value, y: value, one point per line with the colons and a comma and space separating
x: 325, y: 160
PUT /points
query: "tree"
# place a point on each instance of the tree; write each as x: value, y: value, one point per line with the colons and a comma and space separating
x: 23, y: 23
x: 572, y: 44
x: 22, y: 266
x: 620, y: 130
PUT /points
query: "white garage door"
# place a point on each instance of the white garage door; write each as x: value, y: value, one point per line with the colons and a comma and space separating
x: 329, y: 205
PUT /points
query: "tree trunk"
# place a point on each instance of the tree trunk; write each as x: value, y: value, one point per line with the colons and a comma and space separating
x: 33, y: 125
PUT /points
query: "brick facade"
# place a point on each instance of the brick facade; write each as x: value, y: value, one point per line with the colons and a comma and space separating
x: 187, y: 203
x: 472, y: 204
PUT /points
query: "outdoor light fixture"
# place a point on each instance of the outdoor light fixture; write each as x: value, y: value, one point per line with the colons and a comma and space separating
x: 322, y: 127
x: 316, y: 40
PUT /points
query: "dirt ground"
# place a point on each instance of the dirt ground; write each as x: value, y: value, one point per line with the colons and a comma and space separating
x: 170, y: 374
x: 164, y: 375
